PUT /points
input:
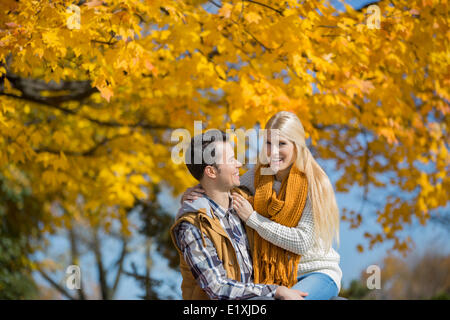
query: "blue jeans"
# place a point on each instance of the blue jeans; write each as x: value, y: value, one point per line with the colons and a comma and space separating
x: 318, y: 285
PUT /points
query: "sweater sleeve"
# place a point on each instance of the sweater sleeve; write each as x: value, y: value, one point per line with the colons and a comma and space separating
x: 247, y: 180
x: 298, y: 240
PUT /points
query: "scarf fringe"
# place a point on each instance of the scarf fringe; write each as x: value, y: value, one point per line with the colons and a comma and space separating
x: 272, y: 264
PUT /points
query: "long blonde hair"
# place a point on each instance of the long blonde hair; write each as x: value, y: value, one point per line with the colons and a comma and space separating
x: 320, y: 190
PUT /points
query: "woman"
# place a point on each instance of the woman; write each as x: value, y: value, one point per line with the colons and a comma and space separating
x: 294, y: 213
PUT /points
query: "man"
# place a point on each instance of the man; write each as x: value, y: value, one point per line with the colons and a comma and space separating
x: 215, y: 257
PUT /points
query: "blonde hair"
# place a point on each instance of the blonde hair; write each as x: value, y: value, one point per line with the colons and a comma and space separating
x: 320, y: 190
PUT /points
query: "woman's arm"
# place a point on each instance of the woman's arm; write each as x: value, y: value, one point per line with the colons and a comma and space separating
x: 247, y: 180
x: 297, y: 239
x: 192, y: 194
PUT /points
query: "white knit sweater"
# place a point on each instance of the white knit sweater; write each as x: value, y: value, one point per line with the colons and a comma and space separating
x: 299, y: 240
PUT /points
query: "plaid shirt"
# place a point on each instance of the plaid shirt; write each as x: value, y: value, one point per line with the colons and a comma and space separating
x: 205, y: 265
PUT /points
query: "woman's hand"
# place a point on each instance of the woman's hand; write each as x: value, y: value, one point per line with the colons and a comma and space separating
x: 243, y: 208
x: 284, y: 293
x: 192, y: 193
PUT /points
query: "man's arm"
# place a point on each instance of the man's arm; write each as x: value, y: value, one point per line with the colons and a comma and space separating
x: 208, y: 270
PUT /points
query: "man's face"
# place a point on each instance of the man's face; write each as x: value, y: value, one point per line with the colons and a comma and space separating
x: 227, y: 166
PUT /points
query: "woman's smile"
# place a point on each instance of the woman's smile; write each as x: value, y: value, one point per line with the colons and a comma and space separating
x: 276, y: 161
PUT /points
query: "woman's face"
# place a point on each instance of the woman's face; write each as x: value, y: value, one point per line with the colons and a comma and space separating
x: 286, y: 153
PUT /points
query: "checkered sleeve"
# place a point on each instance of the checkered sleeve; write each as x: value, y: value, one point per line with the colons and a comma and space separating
x: 208, y: 269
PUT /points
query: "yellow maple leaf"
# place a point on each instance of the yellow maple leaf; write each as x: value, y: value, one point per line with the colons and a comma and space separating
x: 105, y: 92
x: 252, y: 17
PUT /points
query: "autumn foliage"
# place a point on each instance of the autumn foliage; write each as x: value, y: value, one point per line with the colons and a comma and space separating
x: 86, y: 110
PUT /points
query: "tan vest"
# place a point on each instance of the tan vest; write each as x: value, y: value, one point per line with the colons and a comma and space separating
x: 212, y: 228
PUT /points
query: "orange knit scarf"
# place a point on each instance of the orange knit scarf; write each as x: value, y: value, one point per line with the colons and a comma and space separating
x: 272, y: 264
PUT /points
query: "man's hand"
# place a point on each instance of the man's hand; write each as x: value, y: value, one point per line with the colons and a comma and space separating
x: 284, y: 293
x: 192, y: 193
x: 243, y: 208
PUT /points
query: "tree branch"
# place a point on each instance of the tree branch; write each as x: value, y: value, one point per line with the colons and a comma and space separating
x: 55, y: 285
x: 101, y: 270
x: 266, y: 6
x: 90, y: 152
x: 120, y: 263
x: 54, y: 103
x: 75, y: 257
